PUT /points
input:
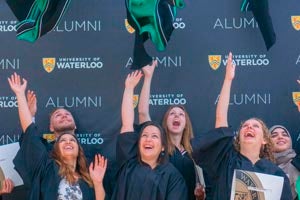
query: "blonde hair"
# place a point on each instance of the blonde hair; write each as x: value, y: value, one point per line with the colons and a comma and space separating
x: 266, y: 151
x: 187, y: 131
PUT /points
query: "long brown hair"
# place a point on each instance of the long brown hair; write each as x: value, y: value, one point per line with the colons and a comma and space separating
x: 65, y: 170
x: 266, y: 151
x: 187, y: 131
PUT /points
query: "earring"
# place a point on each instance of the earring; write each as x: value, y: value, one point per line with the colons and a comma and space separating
x: 162, y: 153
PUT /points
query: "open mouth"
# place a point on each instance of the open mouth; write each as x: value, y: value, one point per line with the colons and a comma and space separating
x: 176, y: 123
x: 249, y: 135
x: 148, y: 147
x: 68, y: 147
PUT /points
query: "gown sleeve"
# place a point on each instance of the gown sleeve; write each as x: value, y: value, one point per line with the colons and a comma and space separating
x: 214, y: 149
x: 127, y: 147
x: 31, y: 155
x: 177, y: 188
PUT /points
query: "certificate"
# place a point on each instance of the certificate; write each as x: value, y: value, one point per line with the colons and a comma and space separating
x: 255, y: 186
x: 7, y: 154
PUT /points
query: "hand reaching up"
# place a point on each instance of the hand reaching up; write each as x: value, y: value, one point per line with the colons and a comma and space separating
x: 15, y: 83
x: 230, y: 68
x: 133, y: 79
x: 32, y: 102
x: 97, y: 169
x: 149, y: 69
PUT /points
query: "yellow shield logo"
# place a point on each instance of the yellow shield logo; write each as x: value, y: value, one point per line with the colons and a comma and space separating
x: 49, y: 137
x: 129, y: 28
x: 296, y: 22
x: 49, y: 64
x: 296, y: 98
x: 135, y: 100
x: 214, y: 61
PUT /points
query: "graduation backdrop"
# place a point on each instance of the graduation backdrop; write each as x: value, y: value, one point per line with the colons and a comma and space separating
x: 91, y: 51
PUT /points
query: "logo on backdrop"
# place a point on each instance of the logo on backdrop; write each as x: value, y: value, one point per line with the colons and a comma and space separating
x: 135, y: 100
x: 296, y: 99
x: 167, y: 99
x: 8, y: 26
x: 163, y: 62
x: 214, y: 61
x: 49, y: 64
x: 8, y: 102
x: 79, y: 26
x: 72, y: 63
x: 83, y: 138
x: 249, y: 99
x: 128, y: 27
x: 74, y: 102
x: 6, y: 63
x: 90, y: 138
x: 296, y: 22
x: 179, y: 23
x: 235, y: 23
x: 243, y: 60
x: 6, y: 138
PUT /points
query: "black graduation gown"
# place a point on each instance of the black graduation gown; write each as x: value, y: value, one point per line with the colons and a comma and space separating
x: 185, y: 165
x: 216, y: 155
x: 39, y: 172
x: 137, y: 180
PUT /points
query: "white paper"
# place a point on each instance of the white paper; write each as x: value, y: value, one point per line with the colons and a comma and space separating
x: 253, y: 185
x: 7, y: 154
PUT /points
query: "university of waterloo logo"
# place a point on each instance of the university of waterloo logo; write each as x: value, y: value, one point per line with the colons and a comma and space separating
x: 49, y: 64
x: 49, y: 137
x: 296, y: 99
x: 129, y: 28
x: 214, y: 61
x: 296, y: 22
x: 135, y: 100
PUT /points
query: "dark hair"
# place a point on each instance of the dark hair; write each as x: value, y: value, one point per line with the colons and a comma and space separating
x: 163, y: 156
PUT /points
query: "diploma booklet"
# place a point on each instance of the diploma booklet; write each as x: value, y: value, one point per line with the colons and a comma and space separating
x: 7, y: 154
x: 255, y: 186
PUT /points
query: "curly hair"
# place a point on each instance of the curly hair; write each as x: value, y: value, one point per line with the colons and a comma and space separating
x: 187, y: 135
x: 65, y: 170
x: 266, y: 151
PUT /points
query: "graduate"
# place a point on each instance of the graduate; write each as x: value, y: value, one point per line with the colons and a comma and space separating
x: 219, y: 153
x: 65, y: 170
x: 178, y: 128
x: 144, y: 172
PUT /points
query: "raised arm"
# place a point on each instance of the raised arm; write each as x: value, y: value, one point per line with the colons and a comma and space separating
x: 127, y: 102
x: 223, y: 103
x: 32, y: 102
x: 143, y: 107
x: 18, y: 86
x: 97, y: 171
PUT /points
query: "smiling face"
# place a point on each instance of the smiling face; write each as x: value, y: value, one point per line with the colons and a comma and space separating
x: 61, y: 120
x: 150, y: 144
x: 251, y: 134
x: 176, y: 120
x: 281, y: 140
x: 68, y: 146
